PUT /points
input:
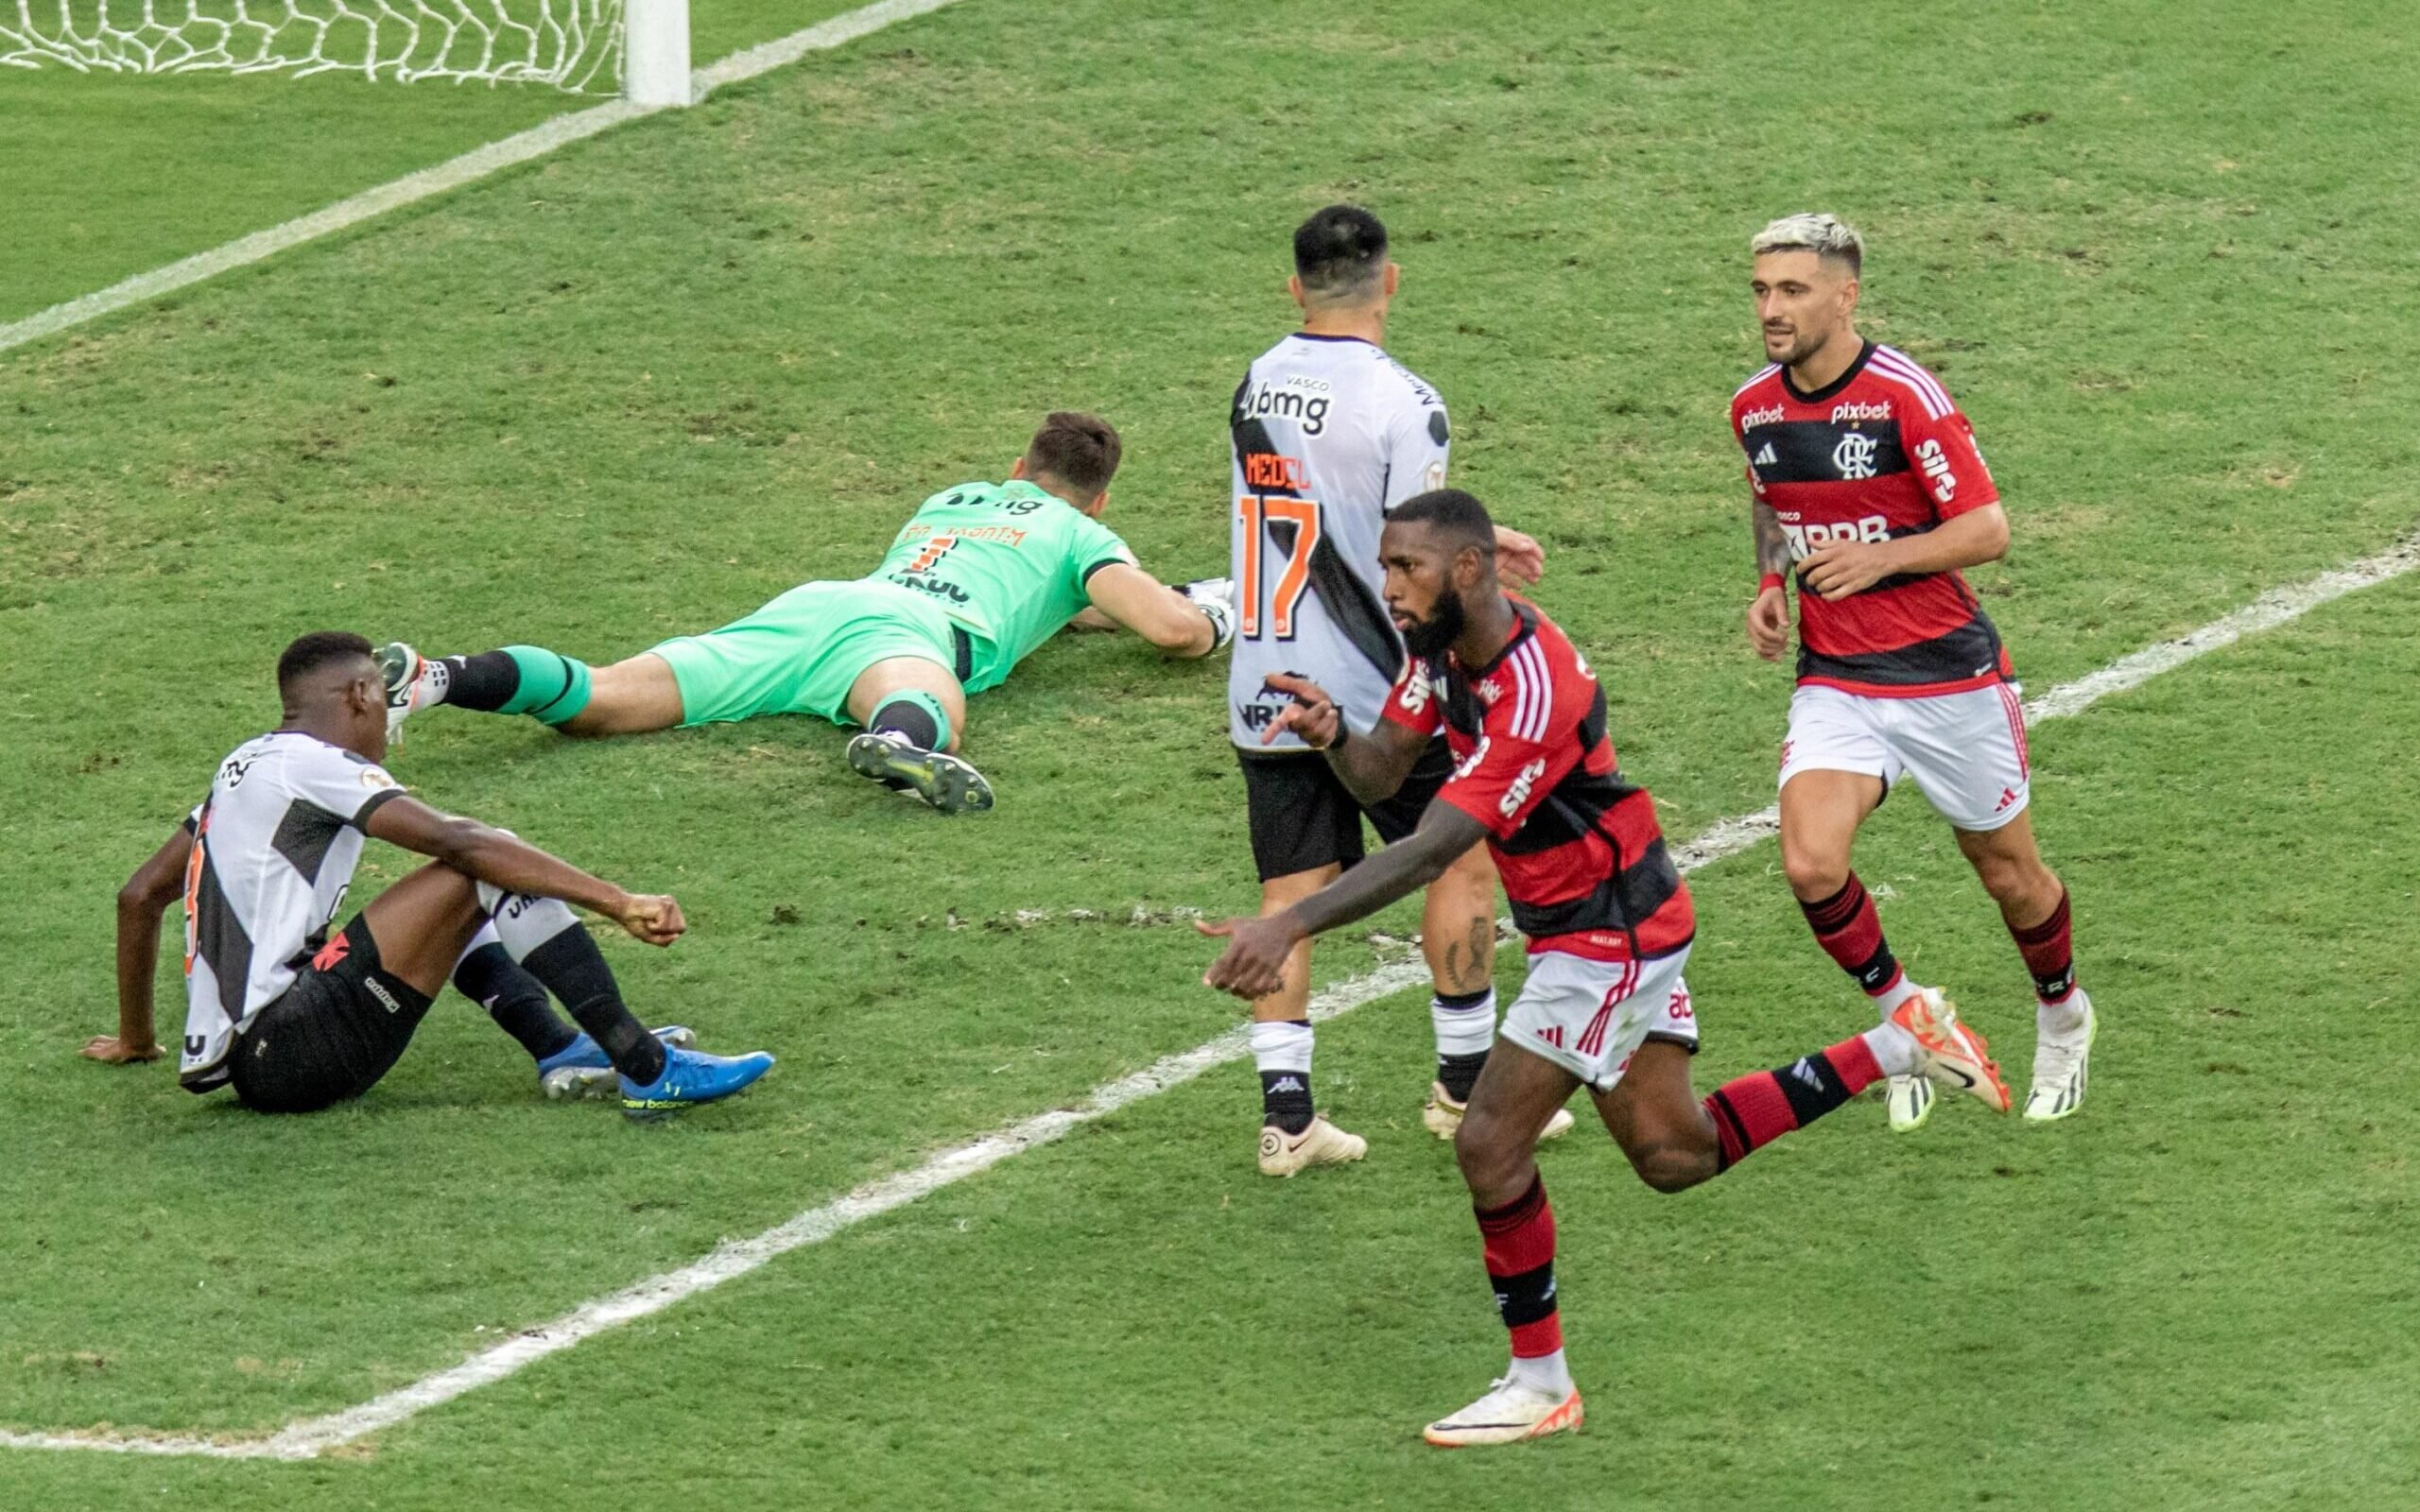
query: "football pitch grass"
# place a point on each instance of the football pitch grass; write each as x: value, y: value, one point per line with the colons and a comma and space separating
x: 641, y: 386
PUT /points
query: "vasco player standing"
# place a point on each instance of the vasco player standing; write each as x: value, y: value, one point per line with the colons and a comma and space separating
x: 1609, y: 924
x: 1867, y: 478
x: 1330, y: 433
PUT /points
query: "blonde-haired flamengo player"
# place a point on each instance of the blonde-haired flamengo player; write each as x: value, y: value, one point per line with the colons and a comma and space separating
x: 1869, y: 490
x: 980, y: 576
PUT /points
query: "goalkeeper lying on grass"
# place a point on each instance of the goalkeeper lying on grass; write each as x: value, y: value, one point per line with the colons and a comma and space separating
x: 984, y: 573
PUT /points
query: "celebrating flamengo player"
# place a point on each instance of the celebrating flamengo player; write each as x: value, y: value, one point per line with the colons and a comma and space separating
x: 980, y: 577
x: 1330, y: 433
x: 297, y: 1019
x: 1869, y: 490
x: 1609, y: 926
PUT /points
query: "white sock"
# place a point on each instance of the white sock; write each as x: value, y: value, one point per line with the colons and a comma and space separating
x: 1894, y: 1049
x: 2061, y: 1018
x: 1546, y: 1373
x: 1887, y: 1001
x: 1464, y: 1031
x: 1280, y: 1045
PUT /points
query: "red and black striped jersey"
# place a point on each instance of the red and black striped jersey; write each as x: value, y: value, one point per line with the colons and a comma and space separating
x: 1881, y: 453
x: 1582, y: 859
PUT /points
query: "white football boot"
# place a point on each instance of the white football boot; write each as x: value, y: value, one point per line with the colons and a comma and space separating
x: 2060, y: 1062
x: 1509, y: 1414
x: 1948, y: 1051
x: 413, y: 682
x: 1443, y: 1116
x: 1322, y: 1144
x: 1909, y: 1099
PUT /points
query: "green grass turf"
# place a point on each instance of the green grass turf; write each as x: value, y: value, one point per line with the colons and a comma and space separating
x: 112, y: 176
x: 641, y: 386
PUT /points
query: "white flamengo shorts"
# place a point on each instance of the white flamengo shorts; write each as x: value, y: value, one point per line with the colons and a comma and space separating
x: 1590, y: 1017
x: 1967, y: 750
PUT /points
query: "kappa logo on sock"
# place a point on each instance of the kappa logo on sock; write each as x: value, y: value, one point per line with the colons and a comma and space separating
x: 1287, y: 1084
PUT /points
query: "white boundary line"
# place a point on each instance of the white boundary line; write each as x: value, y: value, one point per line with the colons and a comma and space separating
x: 312, y: 1437
x: 476, y: 164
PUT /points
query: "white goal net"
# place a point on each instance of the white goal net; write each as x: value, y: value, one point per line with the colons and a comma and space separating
x: 574, y: 46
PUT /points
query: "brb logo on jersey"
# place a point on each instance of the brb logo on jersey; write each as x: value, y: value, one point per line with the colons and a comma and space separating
x: 1806, y: 538
x: 1854, y: 456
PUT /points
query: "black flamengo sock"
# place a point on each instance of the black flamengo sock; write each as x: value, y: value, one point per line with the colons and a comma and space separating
x: 1286, y: 1100
x: 574, y: 969
x: 485, y: 682
x: 514, y: 1000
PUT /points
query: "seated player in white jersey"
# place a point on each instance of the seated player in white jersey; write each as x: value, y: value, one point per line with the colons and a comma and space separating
x: 1868, y: 489
x: 1608, y: 919
x: 980, y: 577
x: 296, y: 1019
x: 1329, y: 433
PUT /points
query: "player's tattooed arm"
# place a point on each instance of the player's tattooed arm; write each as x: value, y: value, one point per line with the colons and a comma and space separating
x: 155, y: 885
x: 1772, y: 546
x: 1254, y: 964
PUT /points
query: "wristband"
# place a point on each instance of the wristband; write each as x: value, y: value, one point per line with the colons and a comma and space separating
x: 1769, y: 581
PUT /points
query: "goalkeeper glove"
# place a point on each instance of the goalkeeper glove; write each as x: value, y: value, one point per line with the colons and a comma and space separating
x: 1216, y: 598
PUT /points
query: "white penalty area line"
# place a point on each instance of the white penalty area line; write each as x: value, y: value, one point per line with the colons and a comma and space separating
x: 314, y: 1437
x: 476, y: 164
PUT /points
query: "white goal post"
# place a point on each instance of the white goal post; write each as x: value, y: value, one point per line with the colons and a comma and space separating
x: 638, y: 48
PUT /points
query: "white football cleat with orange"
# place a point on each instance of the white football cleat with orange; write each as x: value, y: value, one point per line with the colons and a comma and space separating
x: 1949, y: 1053
x: 1322, y: 1144
x: 1512, y: 1413
x: 1443, y: 1115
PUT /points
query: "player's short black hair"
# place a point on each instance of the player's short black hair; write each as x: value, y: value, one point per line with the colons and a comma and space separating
x: 1080, y: 450
x: 1340, y: 252
x: 1459, y: 518
x: 320, y: 648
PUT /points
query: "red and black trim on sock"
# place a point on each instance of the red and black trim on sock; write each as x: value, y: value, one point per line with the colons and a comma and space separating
x: 1755, y: 1110
x: 2048, y: 949
x: 1518, y: 1240
x: 1850, y: 932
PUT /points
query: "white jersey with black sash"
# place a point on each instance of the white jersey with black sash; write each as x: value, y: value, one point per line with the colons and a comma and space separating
x: 1330, y: 433
x: 273, y: 854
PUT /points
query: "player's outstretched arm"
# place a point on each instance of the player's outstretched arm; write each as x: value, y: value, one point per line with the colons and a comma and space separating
x: 155, y: 885
x: 1254, y: 964
x: 1967, y: 539
x: 504, y: 860
x: 1164, y: 616
x: 1375, y: 766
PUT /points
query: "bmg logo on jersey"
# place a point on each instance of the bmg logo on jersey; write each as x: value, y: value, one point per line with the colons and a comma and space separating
x: 1809, y: 538
x: 1291, y: 402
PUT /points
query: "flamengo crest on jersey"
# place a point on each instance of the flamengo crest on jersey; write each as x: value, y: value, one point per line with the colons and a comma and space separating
x: 273, y: 852
x: 1879, y: 453
x: 1330, y: 433
x: 1583, y: 858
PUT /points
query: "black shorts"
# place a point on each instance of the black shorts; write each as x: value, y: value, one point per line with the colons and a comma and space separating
x: 1303, y: 817
x: 331, y: 1034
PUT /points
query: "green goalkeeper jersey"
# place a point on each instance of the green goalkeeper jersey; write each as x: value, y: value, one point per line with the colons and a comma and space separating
x: 1006, y: 561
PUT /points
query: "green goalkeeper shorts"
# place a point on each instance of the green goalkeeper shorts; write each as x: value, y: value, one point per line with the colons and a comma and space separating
x: 802, y: 653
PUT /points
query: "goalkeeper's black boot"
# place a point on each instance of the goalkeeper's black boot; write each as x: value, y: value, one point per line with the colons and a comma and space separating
x: 937, y: 777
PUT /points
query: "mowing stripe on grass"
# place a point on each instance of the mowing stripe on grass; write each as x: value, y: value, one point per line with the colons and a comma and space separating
x: 312, y: 1437
x: 476, y: 164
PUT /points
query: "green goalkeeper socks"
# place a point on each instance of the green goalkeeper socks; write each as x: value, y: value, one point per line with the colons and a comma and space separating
x: 551, y: 689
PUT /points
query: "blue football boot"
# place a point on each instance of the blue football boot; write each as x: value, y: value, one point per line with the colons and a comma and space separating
x: 581, y: 1068
x: 692, y: 1076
